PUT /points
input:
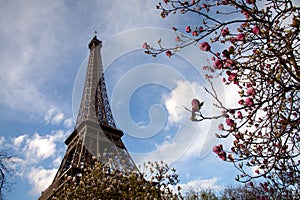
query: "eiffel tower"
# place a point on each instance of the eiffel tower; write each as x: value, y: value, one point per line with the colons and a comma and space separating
x: 95, y: 135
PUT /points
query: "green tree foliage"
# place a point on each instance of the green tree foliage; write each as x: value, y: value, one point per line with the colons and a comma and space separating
x: 100, y: 182
x: 254, y: 46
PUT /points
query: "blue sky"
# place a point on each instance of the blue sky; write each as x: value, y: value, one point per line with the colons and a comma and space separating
x: 42, y: 59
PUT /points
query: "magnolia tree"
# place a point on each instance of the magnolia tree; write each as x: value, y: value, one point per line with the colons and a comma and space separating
x: 100, y: 182
x: 229, y: 193
x: 254, y: 46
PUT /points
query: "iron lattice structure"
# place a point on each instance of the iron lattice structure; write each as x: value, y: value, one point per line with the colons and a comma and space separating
x: 95, y: 135
x: 103, y: 111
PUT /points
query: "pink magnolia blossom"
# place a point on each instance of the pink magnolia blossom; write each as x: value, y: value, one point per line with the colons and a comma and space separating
x: 217, y: 149
x: 201, y: 29
x: 241, y: 101
x: 229, y: 63
x: 245, y: 24
x: 225, y: 53
x: 204, y: 46
x: 224, y: 32
x: 240, y: 37
x: 221, y: 146
x: 251, y: 184
x: 225, y: 2
x: 246, y: 14
x: 239, y: 114
x: 232, y: 40
x: 255, y: 30
x: 218, y: 64
x: 233, y: 149
x: 195, y: 102
x: 250, y: 1
x: 238, y: 136
x: 195, y: 33
x: 249, y: 102
x: 221, y: 127
x: 222, y: 155
x: 195, y: 109
x: 177, y: 38
x: 188, y: 29
x: 196, y: 105
x: 228, y: 72
x: 229, y: 122
x: 145, y: 45
x: 250, y: 91
x: 168, y: 53
x: 232, y: 77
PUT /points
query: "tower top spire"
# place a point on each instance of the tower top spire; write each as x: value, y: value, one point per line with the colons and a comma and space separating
x: 95, y: 42
x: 94, y: 104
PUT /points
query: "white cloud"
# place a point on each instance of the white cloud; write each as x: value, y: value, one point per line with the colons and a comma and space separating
x: 199, y: 184
x: 231, y: 96
x: 40, y: 147
x: 53, y: 116
x: 174, y: 109
x: 19, y: 140
x: 167, y: 141
x: 58, y: 118
x: 68, y: 123
x: 57, y: 161
x: 2, y: 140
x: 40, y: 178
